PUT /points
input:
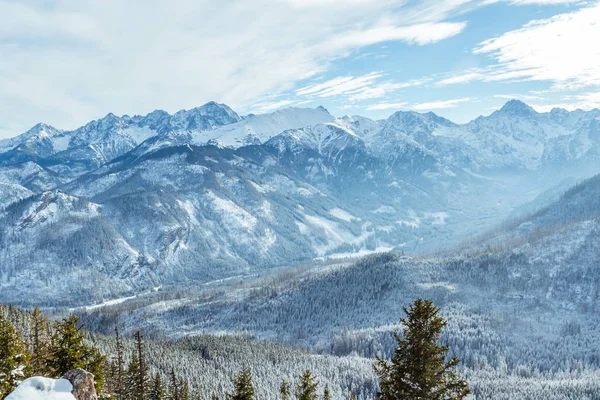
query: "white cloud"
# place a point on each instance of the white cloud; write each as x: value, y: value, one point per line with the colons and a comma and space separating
x: 544, y: 2
x: 436, y: 105
x: 557, y: 50
x: 267, y: 106
x: 584, y: 101
x: 527, y: 97
x: 383, y: 89
x: 339, y: 85
x: 535, y: 2
x: 415, y: 34
x: 427, y: 106
x: 386, y: 106
x: 68, y: 62
x: 368, y: 86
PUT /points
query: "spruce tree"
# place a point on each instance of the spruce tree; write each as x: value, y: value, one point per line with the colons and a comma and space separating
x: 131, y: 376
x: 119, y: 374
x: 174, y: 390
x: 39, y: 340
x: 243, y: 387
x: 142, y: 379
x: 13, y: 359
x: 353, y: 395
x: 184, y: 394
x: 418, y: 369
x: 158, y: 389
x: 326, y: 393
x: 284, y: 390
x: 68, y: 350
x: 306, y: 389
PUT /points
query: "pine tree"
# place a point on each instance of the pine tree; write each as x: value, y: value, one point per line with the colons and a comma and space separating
x: 142, y: 379
x: 39, y: 338
x: 326, y: 393
x: 68, y: 350
x: 184, y: 394
x: 131, y: 376
x: 174, y: 390
x: 353, y: 395
x: 284, y: 390
x: 119, y: 390
x: 13, y: 359
x: 418, y: 369
x: 95, y: 363
x: 158, y: 389
x: 243, y: 387
x: 306, y: 389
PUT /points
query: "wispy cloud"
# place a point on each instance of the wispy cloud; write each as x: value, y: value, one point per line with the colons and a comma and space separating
x: 415, y: 34
x: 68, y: 62
x: 534, y: 2
x: 339, y: 85
x: 527, y: 97
x: 436, y: 105
x: 584, y: 101
x: 556, y: 50
x: 353, y: 89
x: 267, y: 106
x: 426, y: 106
x: 386, y: 106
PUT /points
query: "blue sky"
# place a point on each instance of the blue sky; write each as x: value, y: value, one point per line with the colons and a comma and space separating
x: 67, y: 62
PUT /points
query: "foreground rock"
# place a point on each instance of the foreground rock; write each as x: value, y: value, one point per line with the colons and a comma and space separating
x: 77, y: 384
x: 83, y: 384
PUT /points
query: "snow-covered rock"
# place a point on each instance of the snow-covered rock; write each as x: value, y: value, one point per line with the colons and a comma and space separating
x: 83, y: 384
x: 40, y: 388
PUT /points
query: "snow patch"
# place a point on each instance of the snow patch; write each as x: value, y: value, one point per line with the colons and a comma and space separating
x: 139, y: 135
x: 40, y: 388
x: 439, y: 218
x: 231, y: 212
x: 341, y: 214
x: 384, y: 210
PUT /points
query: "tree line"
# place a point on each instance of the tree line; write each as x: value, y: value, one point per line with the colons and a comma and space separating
x: 419, y: 369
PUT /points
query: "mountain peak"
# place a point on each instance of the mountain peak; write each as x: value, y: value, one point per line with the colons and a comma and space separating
x: 516, y: 108
x: 40, y: 128
x: 212, y: 108
x: 412, y: 118
x: 321, y: 108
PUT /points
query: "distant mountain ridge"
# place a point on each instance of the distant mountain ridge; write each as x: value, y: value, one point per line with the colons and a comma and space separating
x: 124, y: 204
x: 516, y: 136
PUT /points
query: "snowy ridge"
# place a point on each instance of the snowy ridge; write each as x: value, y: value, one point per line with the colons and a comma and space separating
x: 257, y: 129
x: 175, y: 209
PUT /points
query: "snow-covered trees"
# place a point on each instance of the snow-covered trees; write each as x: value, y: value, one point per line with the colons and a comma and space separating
x: 13, y: 359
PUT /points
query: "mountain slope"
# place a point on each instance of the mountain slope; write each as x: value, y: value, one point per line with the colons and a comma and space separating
x: 518, y: 311
x: 176, y: 209
x: 257, y: 129
x: 88, y: 147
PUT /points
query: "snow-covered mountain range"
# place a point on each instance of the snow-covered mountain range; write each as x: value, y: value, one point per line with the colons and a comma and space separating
x: 124, y: 204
